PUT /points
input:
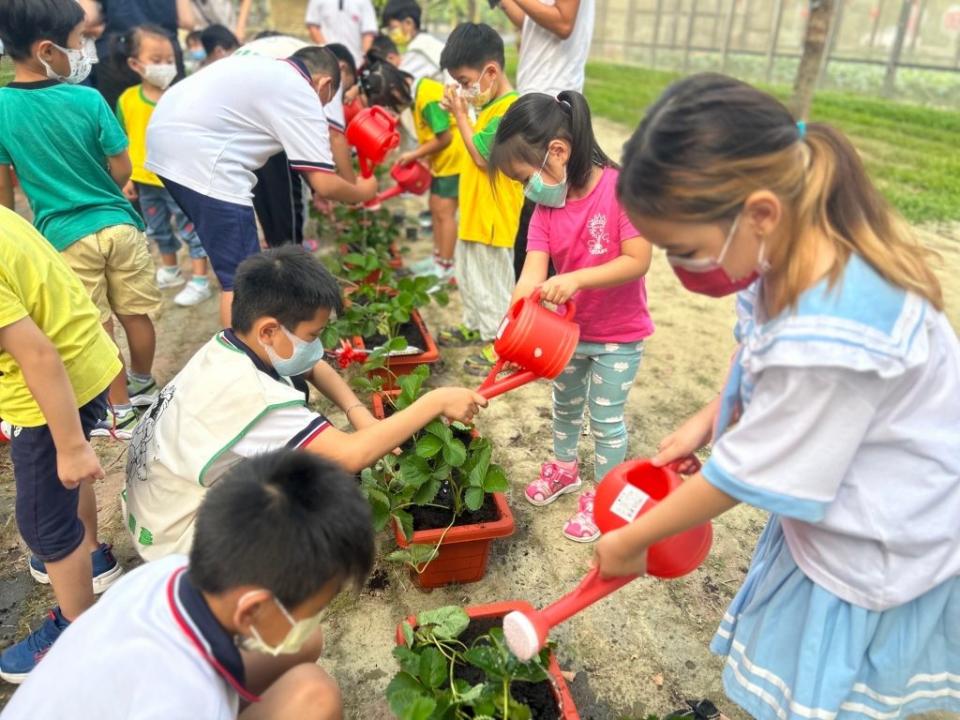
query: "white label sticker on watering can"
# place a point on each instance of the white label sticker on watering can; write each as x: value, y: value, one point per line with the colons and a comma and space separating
x: 629, y: 503
x: 503, y: 326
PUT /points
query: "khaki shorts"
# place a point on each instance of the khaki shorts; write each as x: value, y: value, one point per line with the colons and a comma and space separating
x: 115, y: 267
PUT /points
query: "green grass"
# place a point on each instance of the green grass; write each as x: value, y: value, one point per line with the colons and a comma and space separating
x: 910, y: 150
x: 6, y: 71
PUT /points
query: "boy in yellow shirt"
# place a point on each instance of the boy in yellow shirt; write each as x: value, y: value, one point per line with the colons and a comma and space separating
x: 56, y: 363
x: 489, y: 208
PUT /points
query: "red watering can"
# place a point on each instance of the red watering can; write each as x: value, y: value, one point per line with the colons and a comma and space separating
x: 629, y: 490
x: 373, y: 132
x: 352, y: 109
x: 412, y: 177
x: 539, y: 340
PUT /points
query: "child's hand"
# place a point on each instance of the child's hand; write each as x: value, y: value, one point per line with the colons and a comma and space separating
x: 615, y: 556
x: 77, y: 465
x: 459, y: 404
x: 406, y: 158
x: 454, y: 101
x: 367, y: 186
x: 684, y: 441
x: 559, y: 288
x: 130, y: 191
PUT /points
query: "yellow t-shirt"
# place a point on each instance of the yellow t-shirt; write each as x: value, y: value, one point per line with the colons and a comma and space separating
x: 133, y: 112
x: 429, y: 120
x: 36, y: 282
x: 489, y: 212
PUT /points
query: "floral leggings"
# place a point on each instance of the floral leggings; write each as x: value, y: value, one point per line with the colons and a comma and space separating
x: 601, y: 374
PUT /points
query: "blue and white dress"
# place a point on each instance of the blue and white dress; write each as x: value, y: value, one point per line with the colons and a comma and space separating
x: 848, y: 431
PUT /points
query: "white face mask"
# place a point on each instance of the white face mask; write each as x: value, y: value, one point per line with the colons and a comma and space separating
x: 292, y: 643
x: 160, y: 74
x: 81, y: 63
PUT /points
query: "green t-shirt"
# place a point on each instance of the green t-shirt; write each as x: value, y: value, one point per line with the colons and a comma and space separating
x: 58, y: 138
x: 437, y: 118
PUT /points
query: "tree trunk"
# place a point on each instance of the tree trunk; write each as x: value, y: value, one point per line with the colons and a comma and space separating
x: 814, y: 44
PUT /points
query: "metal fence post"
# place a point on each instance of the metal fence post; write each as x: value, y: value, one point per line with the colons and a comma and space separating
x: 918, y: 25
x: 686, y: 46
x: 774, y: 38
x: 835, y: 23
x: 658, y: 17
x: 727, y: 32
x: 890, y: 78
x: 876, y: 23
x: 629, y: 28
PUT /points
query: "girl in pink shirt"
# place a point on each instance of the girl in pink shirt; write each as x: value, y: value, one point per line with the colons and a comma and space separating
x: 547, y: 143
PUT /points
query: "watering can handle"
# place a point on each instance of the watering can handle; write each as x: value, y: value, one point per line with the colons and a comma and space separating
x: 688, y: 465
x: 377, y: 110
x: 569, y: 307
x: 592, y: 588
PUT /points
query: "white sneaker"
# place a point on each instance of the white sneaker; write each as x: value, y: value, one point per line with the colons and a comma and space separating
x: 169, y: 277
x: 193, y: 294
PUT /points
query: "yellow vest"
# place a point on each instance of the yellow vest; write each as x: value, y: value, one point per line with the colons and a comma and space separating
x: 133, y: 112
x: 448, y: 161
x: 489, y: 212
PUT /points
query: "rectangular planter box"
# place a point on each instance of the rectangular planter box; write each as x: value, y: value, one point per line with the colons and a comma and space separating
x: 568, y: 710
x: 405, y: 364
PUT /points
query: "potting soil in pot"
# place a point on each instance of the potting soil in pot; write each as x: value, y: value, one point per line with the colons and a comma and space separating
x: 431, y: 518
x: 410, y: 332
x: 539, y: 697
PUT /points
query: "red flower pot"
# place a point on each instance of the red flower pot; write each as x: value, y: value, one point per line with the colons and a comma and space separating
x: 568, y: 710
x: 398, y: 365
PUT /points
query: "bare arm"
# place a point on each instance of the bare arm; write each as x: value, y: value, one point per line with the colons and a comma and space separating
x: 47, y: 379
x: 334, y: 187
x: 6, y: 187
x: 430, y: 147
x: 329, y: 382
x: 514, y: 13
x: 316, y: 35
x: 368, y: 42
x: 559, y: 18
x: 243, y: 15
x: 185, y: 19
x: 633, y: 262
x: 355, y: 451
x: 535, y: 269
x: 454, y: 103
x: 120, y: 168
x: 341, y: 156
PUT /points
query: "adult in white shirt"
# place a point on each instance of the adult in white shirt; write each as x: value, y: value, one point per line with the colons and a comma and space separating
x: 349, y: 22
x: 211, y: 132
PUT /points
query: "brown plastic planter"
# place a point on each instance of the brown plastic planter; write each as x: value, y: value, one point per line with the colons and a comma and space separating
x: 398, y: 365
x: 568, y: 710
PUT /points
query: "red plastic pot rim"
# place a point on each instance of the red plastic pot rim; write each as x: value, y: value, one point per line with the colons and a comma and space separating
x: 504, y: 527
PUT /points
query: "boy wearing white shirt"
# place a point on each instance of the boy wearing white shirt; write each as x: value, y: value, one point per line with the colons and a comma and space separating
x: 276, y: 542
x: 421, y: 50
x: 349, y: 22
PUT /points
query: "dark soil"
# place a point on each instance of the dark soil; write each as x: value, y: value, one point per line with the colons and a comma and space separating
x: 539, y: 697
x: 410, y: 332
x: 379, y: 580
x: 431, y: 518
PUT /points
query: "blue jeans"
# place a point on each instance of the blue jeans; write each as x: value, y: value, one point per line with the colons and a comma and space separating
x: 159, y: 209
x: 601, y: 374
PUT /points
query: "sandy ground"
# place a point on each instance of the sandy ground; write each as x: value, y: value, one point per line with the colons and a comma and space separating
x: 641, y: 652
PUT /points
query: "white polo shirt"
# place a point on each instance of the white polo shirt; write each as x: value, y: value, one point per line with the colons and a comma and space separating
x: 149, y: 649
x: 422, y: 58
x: 344, y: 22
x: 550, y: 65
x: 211, y: 131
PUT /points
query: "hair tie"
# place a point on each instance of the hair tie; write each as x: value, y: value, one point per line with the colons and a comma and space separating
x: 564, y: 103
x: 801, y: 129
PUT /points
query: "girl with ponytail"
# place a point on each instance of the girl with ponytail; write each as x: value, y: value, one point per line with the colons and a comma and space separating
x: 547, y: 143
x: 840, y: 415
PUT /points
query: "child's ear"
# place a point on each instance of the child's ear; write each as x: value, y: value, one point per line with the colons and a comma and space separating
x: 131, y: 65
x: 248, y: 608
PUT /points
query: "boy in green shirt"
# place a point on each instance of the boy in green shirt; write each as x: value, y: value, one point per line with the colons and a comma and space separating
x: 70, y: 156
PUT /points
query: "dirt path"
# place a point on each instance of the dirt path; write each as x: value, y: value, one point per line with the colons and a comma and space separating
x: 643, y: 653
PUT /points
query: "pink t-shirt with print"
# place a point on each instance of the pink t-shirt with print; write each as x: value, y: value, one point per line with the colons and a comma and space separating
x: 587, y: 232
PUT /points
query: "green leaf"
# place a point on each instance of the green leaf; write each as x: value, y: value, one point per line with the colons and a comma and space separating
x: 446, y: 622
x: 454, y: 453
x: 417, y: 555
x: 427, y: 492
x: 428, y: 446
x: 433, y: 667
x: 495, y: 480
x: 440, y: 429
x: 408, y: 660
x: 354, y: 259
x: 411, y: 705
x: 470, y: 696
x: 396, y: 344
x: 379, y: 508
x: 406, y: 522
x: 329, y: 336
x: 407, y: 633
x: 473, y: 498
x: 414, y: 470
x: 480, y: 457
x: 487, y: 659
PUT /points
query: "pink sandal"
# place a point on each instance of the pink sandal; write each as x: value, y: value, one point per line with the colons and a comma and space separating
x: 555, y: 480
x: 581, y: 527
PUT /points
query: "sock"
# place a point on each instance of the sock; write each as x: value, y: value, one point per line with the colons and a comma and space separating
x: 170, y: 269
x: 202, y: 280
x: 137, y: 377
x: 122, y: 409
x: 59, y: 620
x: 567, y: 464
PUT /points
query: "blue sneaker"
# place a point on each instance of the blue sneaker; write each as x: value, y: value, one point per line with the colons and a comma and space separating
x: 106, y: 569
x: 19, y: 659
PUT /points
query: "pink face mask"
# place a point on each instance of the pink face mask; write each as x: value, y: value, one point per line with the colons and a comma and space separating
x: 708, y: 277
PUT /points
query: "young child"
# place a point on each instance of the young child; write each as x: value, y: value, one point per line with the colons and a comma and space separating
x: 70, y: 157
x: 149, y: 53
x: 238, y: 621
x: 439, y: 144
x: 56, y: 363
x: 218, y: 43
x: 421, y: 50
x: 195, y: 54
x: 383, y: 48
x: 489, y: 203
x: 245, y: 392
x: 547, y: 143
x: 839, y: 415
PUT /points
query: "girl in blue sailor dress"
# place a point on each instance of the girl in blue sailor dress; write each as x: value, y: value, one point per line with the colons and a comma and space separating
x: 840, y: 415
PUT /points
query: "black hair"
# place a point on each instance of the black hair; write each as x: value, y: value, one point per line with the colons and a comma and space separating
x: 127, y: 45
x: 343, y: 55
x: 287, y: 283
x: 218, y: 36
x: 472, y: 45
x: 24, y: 22
x: 266, y: 33
x: 288, y: 521
x: 194, y: 36
x: 385, y: 85
x: 320, y: 61
x: 529, y: 125
x: 381, y: 47
x: 401, y: 10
